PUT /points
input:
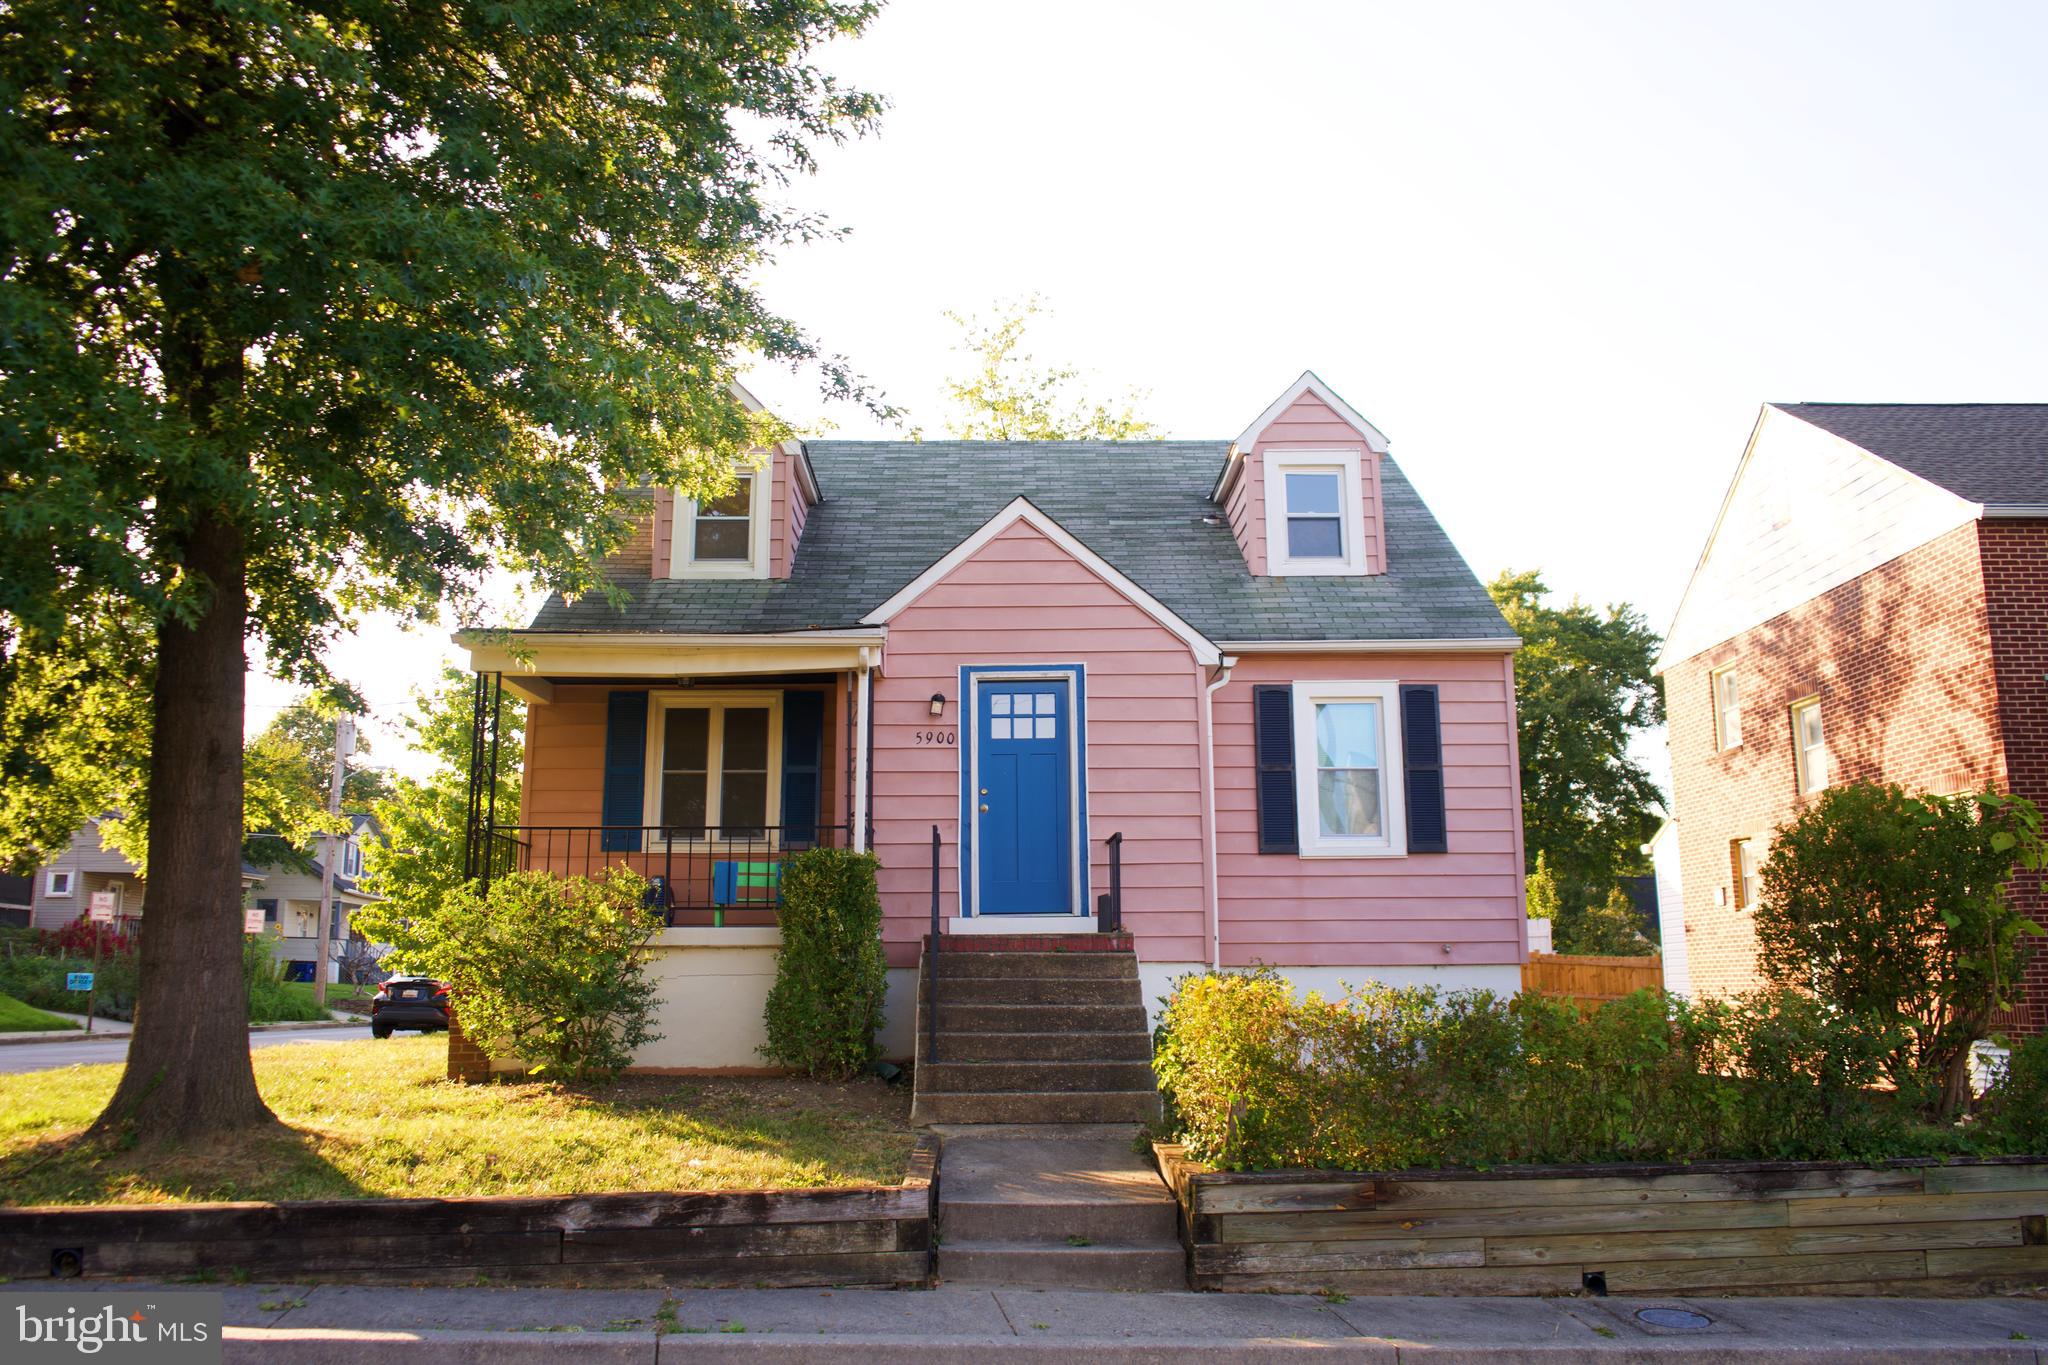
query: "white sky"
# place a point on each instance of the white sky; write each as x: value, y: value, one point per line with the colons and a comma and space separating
x: 1559, y: 253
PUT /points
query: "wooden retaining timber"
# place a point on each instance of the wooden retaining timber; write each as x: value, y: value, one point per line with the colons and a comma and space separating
x: 876, y: 1235
x: 1591, y: 980
x: 1915, y: 1227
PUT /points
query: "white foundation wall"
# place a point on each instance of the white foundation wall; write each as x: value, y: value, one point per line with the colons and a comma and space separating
x: 714, y: 987
x: 1157, y: 979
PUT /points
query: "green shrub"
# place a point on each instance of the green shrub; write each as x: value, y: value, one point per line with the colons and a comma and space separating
x: 826, y: 1005
x: 38, y: 980
x: 272, y: 999
x: 551, y: 970
x: 1896, y: 907
x: 2014, y: 1112
x: 1387, y: 1078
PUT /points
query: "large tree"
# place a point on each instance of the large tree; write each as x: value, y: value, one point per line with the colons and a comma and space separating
x: 1583, y: 690
x: 313, y: 308
x: 1009, y: 395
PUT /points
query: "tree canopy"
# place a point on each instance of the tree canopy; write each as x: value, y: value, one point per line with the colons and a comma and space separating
x: 1009, y: 396
x: 1583, y: 690
x: 312, y: 309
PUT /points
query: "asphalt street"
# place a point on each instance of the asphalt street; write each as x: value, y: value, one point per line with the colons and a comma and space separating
x: 49, y: 1056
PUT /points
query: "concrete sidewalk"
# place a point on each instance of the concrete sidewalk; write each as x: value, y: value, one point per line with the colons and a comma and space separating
x: 318, y: 1324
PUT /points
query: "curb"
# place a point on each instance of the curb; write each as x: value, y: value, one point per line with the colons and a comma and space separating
x: 104, y: 1035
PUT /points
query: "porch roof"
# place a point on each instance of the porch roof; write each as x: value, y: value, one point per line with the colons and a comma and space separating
x: 894, y: 508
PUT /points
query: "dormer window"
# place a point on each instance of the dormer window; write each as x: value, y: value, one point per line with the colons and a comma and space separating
x: 724, y: 537
x: 1315, y: 520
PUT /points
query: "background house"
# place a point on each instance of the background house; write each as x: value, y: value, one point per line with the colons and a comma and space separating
x: 290, y: 901
x: 1870, y: 605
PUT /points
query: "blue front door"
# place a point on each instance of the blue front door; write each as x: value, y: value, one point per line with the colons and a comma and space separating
x: 1025, y: 797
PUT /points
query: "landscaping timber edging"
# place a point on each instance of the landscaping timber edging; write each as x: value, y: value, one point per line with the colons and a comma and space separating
x: 1911, y: 1227
x: 871, y: 1235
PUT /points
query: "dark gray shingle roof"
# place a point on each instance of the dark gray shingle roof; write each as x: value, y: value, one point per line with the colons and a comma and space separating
x: 1992, y: 453
x: 892, y: 508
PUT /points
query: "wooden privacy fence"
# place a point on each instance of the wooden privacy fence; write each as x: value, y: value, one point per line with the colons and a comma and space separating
x: 877, y: 1235
x: 1917, y: 1227
x: 1591, y: 980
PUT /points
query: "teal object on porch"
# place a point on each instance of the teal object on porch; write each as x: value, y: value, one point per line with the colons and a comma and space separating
x: 743, y: 884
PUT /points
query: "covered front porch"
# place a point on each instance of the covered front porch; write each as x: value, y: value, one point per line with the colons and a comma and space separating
x: 701, y: 764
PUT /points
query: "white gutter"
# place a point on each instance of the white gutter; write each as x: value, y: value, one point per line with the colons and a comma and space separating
x: 2014, y: 509
x: 858, y: 815
x: 1209, y: 808
x: 1483, y: 646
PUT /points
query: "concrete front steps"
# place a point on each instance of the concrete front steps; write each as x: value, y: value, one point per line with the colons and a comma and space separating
x: 1035, y: 1030
x: 1054, y: 1207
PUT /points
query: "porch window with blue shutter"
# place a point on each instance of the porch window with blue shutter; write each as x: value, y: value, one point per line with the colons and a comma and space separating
x: 803, y: 743
x: 1273, y: 746
x: 1422, y: 753
x: 625, y: 771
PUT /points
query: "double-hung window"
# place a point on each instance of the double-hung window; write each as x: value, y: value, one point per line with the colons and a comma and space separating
x: 1745, y: 855
x: 1727, y: 708
x: 724, y: 537
x: 715, y: 771
x: 1347, y: 747
x: 1809, y: 746
x: 1315, y: 519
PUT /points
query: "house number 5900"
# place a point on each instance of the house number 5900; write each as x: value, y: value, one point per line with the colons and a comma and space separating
x: 937, y: 737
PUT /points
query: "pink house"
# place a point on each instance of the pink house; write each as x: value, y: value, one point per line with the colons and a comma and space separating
x: 1241, y: 701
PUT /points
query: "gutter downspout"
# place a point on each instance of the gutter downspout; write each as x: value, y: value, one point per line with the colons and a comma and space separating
x: 1209, y: 808
x: 861, y: 742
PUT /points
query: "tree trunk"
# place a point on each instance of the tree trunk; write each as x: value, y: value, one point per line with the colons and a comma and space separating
x: 188, y: 1073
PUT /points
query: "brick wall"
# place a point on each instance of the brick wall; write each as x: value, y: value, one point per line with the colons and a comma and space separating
x: 466, y: 1061
x: 1907, y: 695
x: 2014, y: 558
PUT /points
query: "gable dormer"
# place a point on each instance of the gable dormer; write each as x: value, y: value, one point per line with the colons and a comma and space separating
x: 753, y: 531
x: 1302, y: 487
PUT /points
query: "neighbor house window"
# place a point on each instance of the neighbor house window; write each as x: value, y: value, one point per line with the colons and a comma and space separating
x: 1743, y: 854
x: 1315, y: 519
x: 1809, y: 746
x: 352, y: 859
x: 1347, y: 769
x: 269, y: 909
x: 715, y: 774
x: 59, y: 882
x: 1727, y: 709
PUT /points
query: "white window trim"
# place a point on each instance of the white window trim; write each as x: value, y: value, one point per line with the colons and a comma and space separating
x: 70, y: 882
x: 1722, y: 739
x: 1313, y: 843
x: 1801, y: 763
x: 682, y: 560
x: 1345, y: 463
x: 659, y: 705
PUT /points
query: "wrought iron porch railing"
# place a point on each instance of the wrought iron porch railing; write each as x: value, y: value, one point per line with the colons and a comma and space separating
x: 706, y: 875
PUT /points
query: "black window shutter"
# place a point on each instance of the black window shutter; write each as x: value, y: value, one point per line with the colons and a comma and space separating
x: 625, y: 771
x: 1273, y: 742
x: 803, y: 740
x: 1422, y: 754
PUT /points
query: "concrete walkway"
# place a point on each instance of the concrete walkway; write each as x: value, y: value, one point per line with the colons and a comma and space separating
x: 310, y: 1325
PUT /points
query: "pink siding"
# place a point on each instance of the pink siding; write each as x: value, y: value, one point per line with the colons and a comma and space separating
x: 1022, y: 600
x: 799, y: 513
x: 1307, y: 423
x: 664, y: 532
x: 779, y: 489
x: 1461, y: 908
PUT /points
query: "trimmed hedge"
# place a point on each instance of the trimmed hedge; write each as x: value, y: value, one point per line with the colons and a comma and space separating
x: 830, y: 976
x: 1392, y: 1078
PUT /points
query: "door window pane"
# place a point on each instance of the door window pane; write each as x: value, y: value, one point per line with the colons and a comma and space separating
x: 1348, y: 797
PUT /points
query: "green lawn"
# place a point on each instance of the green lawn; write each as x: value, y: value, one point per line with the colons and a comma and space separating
x: 15, y: 1017
x: 378, y: 1118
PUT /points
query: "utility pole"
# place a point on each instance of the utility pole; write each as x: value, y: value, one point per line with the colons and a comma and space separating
x: 344, y: 745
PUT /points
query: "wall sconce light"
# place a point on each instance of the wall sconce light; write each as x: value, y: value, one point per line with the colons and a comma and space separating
x: 938, y: 703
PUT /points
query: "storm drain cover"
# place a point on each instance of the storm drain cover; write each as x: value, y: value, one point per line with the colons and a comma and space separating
x: 1683, y: 1319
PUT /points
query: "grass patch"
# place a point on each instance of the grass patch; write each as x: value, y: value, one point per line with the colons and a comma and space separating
x: 15, y: 1017
x: 379, y: 1119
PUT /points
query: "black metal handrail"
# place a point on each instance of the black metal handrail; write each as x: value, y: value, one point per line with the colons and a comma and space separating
x: 1109, y: 918
x: 931, y: 958
x: 697, y: 874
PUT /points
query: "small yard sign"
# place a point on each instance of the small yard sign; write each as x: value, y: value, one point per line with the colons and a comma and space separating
x: 103, y: 907
x: 252, y: 921
x: 78, y: 981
